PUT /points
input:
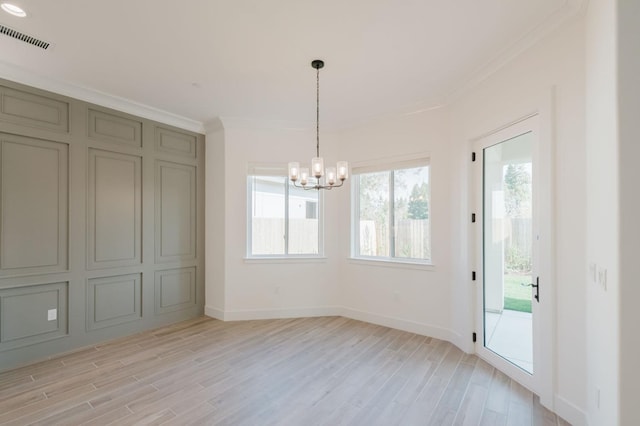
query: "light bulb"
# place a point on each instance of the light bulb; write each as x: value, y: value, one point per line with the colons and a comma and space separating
x: 317, y: 167
x: 343, y: 170
x: 304, y: 176
x: 294, y: 171
x: 331, y: 176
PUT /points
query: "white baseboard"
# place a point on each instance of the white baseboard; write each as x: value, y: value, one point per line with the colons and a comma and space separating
x: 323, y: 311
x: 257, y: 314
x: 400, y: 324
x: 214, y: 313
x: 569, y: 412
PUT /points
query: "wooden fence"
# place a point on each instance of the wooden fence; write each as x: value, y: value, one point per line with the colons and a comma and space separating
x: 413, y: 239
x: 267, y: 236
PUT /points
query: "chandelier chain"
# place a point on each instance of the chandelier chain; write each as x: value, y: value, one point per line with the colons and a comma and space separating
x: 318, y: 112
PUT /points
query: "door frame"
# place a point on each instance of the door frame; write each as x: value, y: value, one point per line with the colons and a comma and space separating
x: 542, y: 381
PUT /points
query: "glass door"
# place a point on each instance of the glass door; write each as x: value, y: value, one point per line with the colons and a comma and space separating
x: 508, y: 235
x: 508, y: 250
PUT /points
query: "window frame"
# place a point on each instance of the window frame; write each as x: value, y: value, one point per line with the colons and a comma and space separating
x: 280, y: 172
x: 391, y: 166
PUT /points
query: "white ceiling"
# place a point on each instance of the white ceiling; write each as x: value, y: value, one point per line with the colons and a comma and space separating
x: 250, y: 59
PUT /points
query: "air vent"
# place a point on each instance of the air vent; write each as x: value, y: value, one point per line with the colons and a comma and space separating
x: 23, y: 37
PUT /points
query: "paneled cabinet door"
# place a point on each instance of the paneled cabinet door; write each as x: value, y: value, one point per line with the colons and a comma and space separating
x: 34, y: 206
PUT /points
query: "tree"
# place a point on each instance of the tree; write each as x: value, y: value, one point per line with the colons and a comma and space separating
x: 517, y: 197
x: 374, y: 206
x: 419, y: 202
x: 517, y: 204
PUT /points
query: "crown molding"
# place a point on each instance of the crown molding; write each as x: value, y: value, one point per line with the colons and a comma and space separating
x: 262, y: 124
x: 569, y: 10
x: 397, y: 113
x: 20, y: 75
x: 298, y: 126
x: 214, y: 125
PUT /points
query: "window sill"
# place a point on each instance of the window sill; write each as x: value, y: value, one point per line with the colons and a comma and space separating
x: 393, y: 263
x: 286, y: 259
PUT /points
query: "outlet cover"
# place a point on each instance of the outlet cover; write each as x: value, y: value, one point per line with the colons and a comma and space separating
x: 602, y: 277
x: 52, y: 314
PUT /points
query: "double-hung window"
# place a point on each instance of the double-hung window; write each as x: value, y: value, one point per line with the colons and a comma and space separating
x: 391, y: 211
x: 283, y: 221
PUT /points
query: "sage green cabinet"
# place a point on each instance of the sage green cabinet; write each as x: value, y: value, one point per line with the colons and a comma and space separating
x: 101, y: 224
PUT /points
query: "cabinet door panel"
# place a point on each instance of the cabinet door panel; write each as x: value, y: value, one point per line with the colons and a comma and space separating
x: 33, y: 187
x: 175, y: 212
x: 115, y: 190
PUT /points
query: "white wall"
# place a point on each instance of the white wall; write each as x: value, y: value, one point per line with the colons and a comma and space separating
x: 256, y: 288
x: 602, y: 211
x: 410, y: 298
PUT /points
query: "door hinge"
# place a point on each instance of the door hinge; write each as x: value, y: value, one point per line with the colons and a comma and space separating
x: 473, y: 156
x: 474, y: 337
x: 473, y: 275
x: 473, y: 218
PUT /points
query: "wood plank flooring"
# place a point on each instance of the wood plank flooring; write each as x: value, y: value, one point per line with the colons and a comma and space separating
x: 309, y: 371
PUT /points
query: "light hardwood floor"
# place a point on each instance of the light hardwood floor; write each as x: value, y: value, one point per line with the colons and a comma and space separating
x: 329, y: 370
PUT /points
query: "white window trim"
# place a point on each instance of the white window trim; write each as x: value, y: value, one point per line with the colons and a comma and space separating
x: 278, y: 170
x: 391, y: 262
x: 385, y: 165
x: 300, y: 258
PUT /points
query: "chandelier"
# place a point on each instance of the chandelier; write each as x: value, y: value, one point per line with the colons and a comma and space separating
x: 319, y: 177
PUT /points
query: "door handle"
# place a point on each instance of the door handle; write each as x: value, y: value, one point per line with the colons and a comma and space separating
x: 536, y: 286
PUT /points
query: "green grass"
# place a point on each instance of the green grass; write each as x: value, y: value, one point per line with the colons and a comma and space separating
x: 516, y: 296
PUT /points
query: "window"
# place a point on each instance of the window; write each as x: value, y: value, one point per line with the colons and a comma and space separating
x: 283, y: 220
x: 391, y: 218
